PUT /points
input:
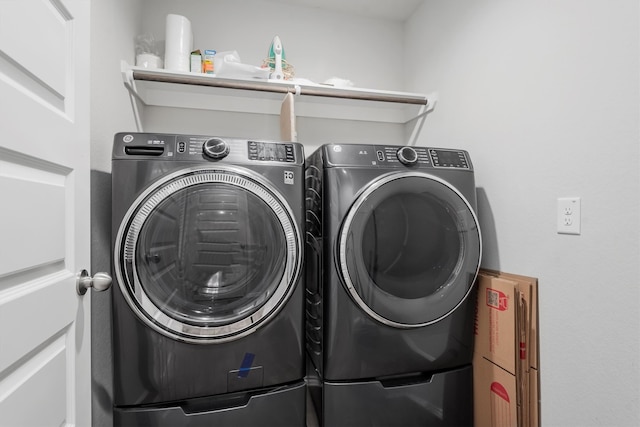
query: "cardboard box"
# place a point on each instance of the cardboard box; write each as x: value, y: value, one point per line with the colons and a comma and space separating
x: 506, y: 348
x: 529, y: 287
x: 494, y: 395
x: 534, y: 398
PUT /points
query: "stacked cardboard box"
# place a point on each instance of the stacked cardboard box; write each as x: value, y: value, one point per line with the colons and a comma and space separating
x: 505, y: 363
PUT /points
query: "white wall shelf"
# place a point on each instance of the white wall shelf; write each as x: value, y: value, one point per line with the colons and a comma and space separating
x: 159, y: 87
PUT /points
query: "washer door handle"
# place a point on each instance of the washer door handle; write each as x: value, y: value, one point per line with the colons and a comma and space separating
x: 99, y: 282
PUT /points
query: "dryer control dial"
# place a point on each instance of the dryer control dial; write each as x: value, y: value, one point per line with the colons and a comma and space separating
x: 215, y: 148
x: 407, y: 156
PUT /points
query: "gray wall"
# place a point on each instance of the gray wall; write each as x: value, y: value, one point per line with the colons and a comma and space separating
x: 320, y: 44
x: 114, y: 24
x: 545, y: 96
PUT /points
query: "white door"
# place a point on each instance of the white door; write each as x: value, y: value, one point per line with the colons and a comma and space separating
x: 44, y: 212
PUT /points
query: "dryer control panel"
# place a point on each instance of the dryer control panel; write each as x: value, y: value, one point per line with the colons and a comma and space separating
x: 396, y: 156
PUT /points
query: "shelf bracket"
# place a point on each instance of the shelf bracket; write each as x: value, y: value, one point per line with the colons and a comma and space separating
x: 420, y: 118
x: 130, y: 84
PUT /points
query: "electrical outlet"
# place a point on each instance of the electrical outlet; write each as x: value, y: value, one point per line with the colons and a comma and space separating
x: 569, y: 215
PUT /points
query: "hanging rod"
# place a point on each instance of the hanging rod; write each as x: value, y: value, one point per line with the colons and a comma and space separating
x: 164, y: 76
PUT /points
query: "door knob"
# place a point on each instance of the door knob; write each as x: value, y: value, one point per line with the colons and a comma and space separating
x: 99, y: 282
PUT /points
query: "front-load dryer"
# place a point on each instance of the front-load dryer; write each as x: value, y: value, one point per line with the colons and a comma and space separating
x: 393, y: 249
x: 208, y: 308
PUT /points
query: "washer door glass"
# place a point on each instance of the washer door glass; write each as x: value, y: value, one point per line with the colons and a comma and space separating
x: 409, y: 249
x: 208, y: 255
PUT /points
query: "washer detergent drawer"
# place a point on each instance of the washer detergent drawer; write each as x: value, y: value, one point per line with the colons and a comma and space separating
x: 445, y: 399
x: 281, y: 406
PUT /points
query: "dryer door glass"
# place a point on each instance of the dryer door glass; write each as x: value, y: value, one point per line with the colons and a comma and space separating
x: 211, y: 255
x: 410, y: 249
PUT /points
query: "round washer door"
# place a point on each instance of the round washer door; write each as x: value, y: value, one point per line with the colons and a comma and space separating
x: 208, y: 254
x: 409, y: 249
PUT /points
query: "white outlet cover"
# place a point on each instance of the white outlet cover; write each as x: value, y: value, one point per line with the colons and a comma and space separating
x: 568, y: 214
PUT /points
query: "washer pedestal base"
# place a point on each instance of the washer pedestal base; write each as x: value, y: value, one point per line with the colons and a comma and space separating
x: 284, y: 406
x: 444, y: 399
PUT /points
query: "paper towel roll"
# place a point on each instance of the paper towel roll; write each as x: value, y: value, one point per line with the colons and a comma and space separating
x: 178, y: 43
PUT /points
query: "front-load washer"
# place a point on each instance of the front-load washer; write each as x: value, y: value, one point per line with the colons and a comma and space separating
x: 208, y: 305
x: 393, y: 249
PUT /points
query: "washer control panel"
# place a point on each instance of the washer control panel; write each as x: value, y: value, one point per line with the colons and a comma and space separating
x: 396, y: 156
x: 215, y: 148
x: 271, y: 151
x: 202, y: 147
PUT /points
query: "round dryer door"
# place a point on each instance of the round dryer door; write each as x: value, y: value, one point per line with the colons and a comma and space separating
x: 409, y: 249
x: 208, y: 254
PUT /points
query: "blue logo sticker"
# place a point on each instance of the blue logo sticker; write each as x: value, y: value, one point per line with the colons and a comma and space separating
x: 245, y: 368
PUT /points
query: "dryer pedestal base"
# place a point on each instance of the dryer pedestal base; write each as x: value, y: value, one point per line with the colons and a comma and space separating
x: 444, y: 400
x: 282, y: 406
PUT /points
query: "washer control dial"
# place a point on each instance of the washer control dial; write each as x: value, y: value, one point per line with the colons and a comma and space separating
x: 215, y: 148
x: 407, y: 156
